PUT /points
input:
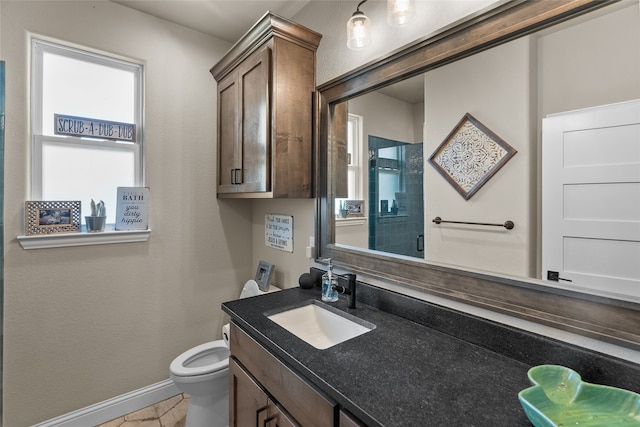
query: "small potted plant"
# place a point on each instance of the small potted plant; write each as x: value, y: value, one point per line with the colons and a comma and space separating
x: 98, y: 217
x: 343, y: 210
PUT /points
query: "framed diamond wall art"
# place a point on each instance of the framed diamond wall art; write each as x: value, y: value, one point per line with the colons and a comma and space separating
x: 470, y: 155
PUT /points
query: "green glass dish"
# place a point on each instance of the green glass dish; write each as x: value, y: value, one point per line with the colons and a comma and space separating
x: 559, y: 398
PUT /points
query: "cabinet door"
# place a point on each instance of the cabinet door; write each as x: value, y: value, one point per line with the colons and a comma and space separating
x: 347, y: 420
x: 228, y: 99
x: 278, y: 417
x: 254, y: 155
x: 248, y: 403
x: 307, y: 405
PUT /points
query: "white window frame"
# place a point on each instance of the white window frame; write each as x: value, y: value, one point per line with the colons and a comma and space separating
x: 354, y: 170
x: 355, y: 160
x: 38, y: 46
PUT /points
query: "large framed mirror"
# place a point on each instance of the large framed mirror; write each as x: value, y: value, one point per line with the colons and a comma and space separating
x: 510, y: 67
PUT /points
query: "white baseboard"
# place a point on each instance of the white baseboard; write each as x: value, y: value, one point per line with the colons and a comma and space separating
x: 116, y: 407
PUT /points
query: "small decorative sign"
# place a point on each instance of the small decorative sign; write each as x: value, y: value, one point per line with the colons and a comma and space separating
x: 93, y: 128
x: 278, y: 232
x: 132, y: 208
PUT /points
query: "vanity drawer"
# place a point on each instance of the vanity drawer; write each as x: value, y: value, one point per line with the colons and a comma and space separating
x: 310, y: 407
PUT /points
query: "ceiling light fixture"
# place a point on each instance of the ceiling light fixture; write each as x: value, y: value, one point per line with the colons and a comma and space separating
x: 400, y: 12
x: 358, y: 29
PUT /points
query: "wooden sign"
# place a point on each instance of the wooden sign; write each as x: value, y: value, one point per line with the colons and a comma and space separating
x: 278, y: 232
x: 93, y: 128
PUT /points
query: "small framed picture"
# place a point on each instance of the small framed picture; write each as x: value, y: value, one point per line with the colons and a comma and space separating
x: 355, y: 208
x: 50, y: 217
x: 263, y: 275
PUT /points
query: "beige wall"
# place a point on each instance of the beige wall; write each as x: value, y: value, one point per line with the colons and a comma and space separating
x: 386, y: 117
x: 604, y: 71
x: 492, y: 86
x: 85, y: 324
x: 288, y: 265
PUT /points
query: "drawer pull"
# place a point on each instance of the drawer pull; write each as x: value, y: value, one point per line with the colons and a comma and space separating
x: 268, y: 420
x: 264, y: 408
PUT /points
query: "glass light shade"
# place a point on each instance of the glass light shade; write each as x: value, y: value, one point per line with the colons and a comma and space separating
x: 400, y: 12
x: 358, y: 31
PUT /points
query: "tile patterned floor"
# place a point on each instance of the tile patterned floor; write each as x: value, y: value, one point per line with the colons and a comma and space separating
x: 168, y: 413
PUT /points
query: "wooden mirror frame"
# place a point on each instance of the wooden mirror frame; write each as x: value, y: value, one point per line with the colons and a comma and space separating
x: 606, y: 319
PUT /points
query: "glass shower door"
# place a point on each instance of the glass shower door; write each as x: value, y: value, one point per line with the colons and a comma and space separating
x: 396, y: 203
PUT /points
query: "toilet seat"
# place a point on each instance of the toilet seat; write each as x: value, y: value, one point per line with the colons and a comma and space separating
x: 201, y: 360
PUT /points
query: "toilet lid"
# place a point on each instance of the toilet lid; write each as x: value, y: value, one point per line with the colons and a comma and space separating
x: 200, y: 360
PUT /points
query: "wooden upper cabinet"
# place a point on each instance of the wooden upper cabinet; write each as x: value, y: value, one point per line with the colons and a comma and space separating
x: 243, y: 126
x: 266, y: 84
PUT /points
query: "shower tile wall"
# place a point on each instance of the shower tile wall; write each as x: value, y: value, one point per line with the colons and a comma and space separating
x: 397, y: 234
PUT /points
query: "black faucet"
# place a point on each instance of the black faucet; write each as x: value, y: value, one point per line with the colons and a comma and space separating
x: 349, y: 290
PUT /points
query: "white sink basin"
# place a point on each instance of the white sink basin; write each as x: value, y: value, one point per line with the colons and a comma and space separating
x: 320, y: 325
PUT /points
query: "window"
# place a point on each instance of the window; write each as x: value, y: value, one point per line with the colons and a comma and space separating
x: 73, y: 82
x: 390, y: 175
x: 354, y: 158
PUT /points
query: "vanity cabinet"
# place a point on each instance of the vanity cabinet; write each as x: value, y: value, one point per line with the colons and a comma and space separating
x: 266, y: 86
x: 250, y: 405
x: 347, y: 420
x: 265, y: 392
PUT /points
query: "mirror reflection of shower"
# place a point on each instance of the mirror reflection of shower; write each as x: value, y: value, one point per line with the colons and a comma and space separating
x: 396, y: 202
x: 384, y: 177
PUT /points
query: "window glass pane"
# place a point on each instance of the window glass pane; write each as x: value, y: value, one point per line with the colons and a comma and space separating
x: 72, y: 172
x: 350, y: 141
x: 85, y: 89
x: 388, y: 153
x: 389, y: 185
x: 74, y: 82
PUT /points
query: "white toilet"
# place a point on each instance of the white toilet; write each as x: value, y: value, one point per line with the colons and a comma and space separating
x: 202, y: 372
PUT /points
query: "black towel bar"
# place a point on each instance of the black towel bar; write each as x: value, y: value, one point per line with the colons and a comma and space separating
x: 507, y: 224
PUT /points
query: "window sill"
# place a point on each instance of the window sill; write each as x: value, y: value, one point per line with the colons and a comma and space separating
x: 83, y: 239
x: 392, y: 218
x: 345, y: 222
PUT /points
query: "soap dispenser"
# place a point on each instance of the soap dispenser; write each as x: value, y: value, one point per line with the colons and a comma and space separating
x: 329, y: 294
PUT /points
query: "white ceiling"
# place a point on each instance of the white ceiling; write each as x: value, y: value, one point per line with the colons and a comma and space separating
x: 225, y: 19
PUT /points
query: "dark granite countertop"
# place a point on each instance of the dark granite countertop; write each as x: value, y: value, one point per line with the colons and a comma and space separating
x: 422, y: 364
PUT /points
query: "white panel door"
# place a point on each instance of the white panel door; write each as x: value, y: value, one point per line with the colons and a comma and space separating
x: 591, y: 199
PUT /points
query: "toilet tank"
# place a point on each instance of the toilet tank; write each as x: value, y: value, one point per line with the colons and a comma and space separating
x: 250, y: 289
